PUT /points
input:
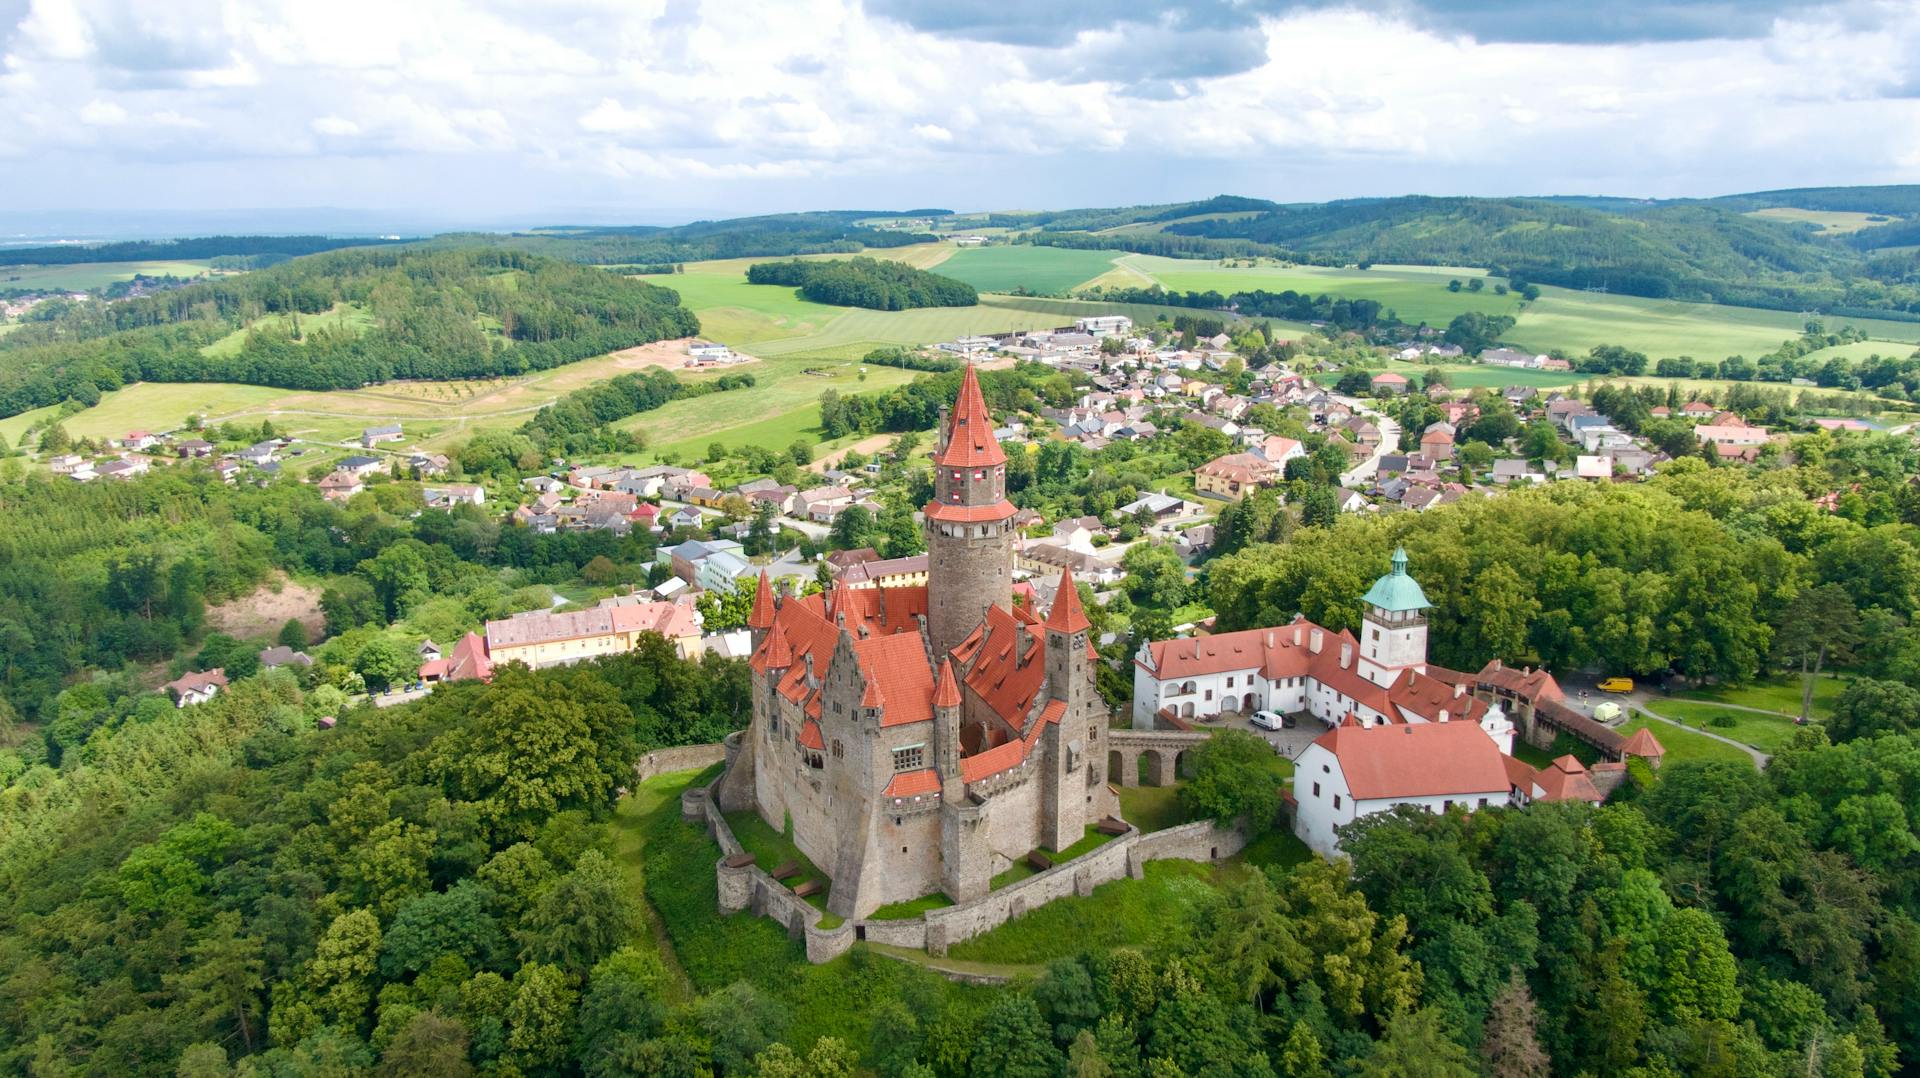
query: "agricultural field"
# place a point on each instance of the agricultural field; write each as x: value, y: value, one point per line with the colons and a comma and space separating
x: 1830, y: 222
x: 1415, y: 295
x: 1577, y: 321
x: 1048, y: 270
x: 87, y: 276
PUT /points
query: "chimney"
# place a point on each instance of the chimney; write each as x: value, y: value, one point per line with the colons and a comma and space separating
x: 1346, y: 655
x: 1314, y: 640
x: 1443, y: 714
x: 811, y: 682
x: 1296, y: 635
x: 1269, y: 637
x: 1459, y: 689
x: 1022, y: 639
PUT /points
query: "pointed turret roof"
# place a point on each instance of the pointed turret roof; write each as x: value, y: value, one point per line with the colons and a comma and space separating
x: 1067, y: 616
x: 761, y: 616
x: 776, y: 653
x: 1643, y: 743
x: 947, y: 692
x: 970, y: 442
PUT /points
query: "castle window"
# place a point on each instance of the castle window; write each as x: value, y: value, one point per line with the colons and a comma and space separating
x: 839, y: 751
x: 1316, y: 789
x: 1336, y: 801
x: 910, y: 758
x: 979, y: 474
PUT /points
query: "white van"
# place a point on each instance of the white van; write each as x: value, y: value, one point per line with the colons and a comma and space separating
x: 1267, y: 720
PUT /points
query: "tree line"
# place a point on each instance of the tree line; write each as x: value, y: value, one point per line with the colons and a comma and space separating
x: 865, y: 282
x: 578, y: 422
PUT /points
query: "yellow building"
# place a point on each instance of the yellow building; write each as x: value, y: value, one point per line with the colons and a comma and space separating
x: 538, y: 638
x: 1233, y: 476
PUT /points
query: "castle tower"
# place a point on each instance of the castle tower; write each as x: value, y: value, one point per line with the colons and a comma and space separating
x: 1076, y: 745
x: 760, y: 618
x: 968, y: 524
x: 1393, y: 634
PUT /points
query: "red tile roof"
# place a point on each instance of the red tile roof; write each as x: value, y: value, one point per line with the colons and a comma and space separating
x: 467, y: 661
x: 969, y: 514
x: 1643, y: 743
x: 810, y: 736
x: 196, y: 681
x: 899, y: 681
x: 914, y: 783
x: 1420, y: 759
x: 1067, y: 616
x: 970, y: 442
x: 1007, y: 681
x: 761, y: 617
x: 947, y: 692
x: 1565, y: 779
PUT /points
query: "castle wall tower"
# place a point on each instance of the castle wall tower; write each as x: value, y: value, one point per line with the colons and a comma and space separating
x: 1393, y: 633
x: 1077, y: 744
x: 968, y: 524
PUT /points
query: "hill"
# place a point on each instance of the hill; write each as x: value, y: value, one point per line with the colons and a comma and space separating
x: 393, y: 313
x: 252, y: 250
x: 775, y: 235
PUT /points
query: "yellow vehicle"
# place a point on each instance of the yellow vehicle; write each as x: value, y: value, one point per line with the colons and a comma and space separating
x: 1617, y: 684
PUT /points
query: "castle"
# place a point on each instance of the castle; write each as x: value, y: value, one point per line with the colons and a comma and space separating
x: 922, y: 739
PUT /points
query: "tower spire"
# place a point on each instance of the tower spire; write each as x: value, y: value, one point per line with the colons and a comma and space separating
x: 1067, y: 615
x: 761, y: 617
x: 970, y: 442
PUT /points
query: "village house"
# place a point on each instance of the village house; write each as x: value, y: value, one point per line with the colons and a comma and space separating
x: 281, y: 655
x: 452, y: 494
x: 196, y: 687
x: 339, y: 486
x: 193, y: 448
x: 360, y: 465
x: 373, y: 436
x: 1390, y: 382
x: 540, y: 638
x: 1233, y: 476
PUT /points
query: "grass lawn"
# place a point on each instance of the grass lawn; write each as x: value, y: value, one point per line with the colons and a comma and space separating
x: 1020, y: 870
x: 1415, y: 296
x: 1685, y: 746
x: 907, y: 911
x: 771, y: 849
x: 1768, y: 733
x: 832, y: 1000
x: 1774, y: 694
x: 1278, y: 846
x: 1034, y: 268
x: 1152, y: 808
x: 1153, y: 912
x: 87, y: 276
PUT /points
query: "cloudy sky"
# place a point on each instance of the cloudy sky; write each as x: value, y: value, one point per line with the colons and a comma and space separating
x: 468, y: 111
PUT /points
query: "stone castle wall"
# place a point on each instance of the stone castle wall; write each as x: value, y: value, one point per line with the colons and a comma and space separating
x: 681, y: 758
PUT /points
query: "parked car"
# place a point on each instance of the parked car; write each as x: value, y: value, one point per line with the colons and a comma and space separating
x: 1616, y: 684
x: 1268, y: 720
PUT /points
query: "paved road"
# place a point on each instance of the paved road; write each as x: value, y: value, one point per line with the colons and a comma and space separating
x: 1583, y: 695
x: 1360, y: 476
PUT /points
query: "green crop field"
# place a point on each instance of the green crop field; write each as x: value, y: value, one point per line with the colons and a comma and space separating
x: 87, y: 276
x: 1577, y: 321
x: 1413, y: 295
x: 1036, y: 269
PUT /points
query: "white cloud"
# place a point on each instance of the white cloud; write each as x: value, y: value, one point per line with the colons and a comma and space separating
x: 817, y: 101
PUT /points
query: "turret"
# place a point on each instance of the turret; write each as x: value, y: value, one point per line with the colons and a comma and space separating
x: 946, y: 733
x: 1394, y: 627
x: 760, y: 618
x: 968, y: 524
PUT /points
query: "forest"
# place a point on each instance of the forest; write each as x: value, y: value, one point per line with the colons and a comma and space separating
x: 466, y: 313
x: 865, y: 282
x: 580, y: 421
x: 775, y: 235
x: 198, y: 247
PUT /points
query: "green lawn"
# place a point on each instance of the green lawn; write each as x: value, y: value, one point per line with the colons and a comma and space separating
x: 1768, y: 733
x: 87, y: 276
x: 1685, y: 746
x: 1151, y: 912
x: 1774, y: 694
x: 1414, y: 295
x: 907, y: 911
x: 1092, y: 840
x: 1152, y: 808
x: 771, y: 849
x: 1034, y: 268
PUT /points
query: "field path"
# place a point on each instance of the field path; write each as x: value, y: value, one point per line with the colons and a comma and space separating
x: 1760, y: 759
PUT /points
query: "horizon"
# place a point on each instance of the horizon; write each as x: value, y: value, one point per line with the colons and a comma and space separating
x: 451, y: 115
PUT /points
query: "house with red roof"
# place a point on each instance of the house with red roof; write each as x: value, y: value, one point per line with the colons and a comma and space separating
x: 922, y: 738
x: 1355, y: 770
x: 196, y: 687
x: 1390, y: 382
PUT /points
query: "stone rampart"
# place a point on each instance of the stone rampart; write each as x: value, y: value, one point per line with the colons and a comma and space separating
x: 680, y: 758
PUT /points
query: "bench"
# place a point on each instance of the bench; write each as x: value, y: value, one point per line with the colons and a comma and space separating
x: 1112, y: 826
x: 1039, y: 862
x: 809, y: 889
x: 786, y: 870
x: 739, y: 860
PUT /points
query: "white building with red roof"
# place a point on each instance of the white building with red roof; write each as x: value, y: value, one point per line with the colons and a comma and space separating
x: 923, y: 738
x: 1355, y: 770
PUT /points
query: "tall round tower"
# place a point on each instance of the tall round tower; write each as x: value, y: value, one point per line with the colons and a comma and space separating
x: 969, y: 523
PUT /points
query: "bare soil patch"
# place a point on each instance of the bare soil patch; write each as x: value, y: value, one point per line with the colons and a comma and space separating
x: 263, y: 612
x: 868, y: 446
x: 669, y: 354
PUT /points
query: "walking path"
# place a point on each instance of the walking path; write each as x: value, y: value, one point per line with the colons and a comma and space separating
x: 1760, y: 759
x: 954, y: 969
